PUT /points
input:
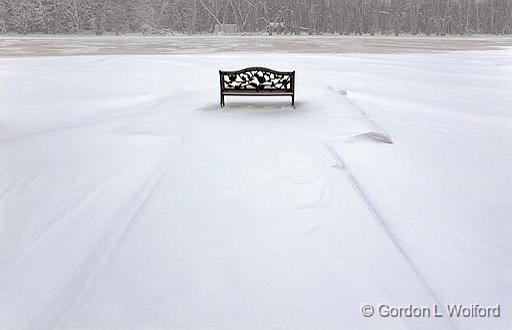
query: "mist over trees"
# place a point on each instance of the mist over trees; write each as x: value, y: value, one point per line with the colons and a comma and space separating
x: 427, y: 17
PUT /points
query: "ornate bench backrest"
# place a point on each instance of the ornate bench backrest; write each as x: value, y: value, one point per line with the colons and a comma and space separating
x: 257, y: 79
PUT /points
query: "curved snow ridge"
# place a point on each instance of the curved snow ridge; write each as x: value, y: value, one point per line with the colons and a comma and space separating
x: 379, y: 218
x: 117, y: 109
x: 344, y: 120
x: 85, y: 239
x: 370, y: 135
x: 99, y: 257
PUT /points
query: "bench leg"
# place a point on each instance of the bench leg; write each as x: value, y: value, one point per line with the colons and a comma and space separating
x: 222, y: 103
x: 293, y: 100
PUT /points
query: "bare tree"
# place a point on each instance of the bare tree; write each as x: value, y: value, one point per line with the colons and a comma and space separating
x: 438, y: 17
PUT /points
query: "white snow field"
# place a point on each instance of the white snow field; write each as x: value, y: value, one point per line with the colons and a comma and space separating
x: 130, y: 200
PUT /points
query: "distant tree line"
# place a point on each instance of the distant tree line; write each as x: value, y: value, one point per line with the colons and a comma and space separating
x: 428, y: 17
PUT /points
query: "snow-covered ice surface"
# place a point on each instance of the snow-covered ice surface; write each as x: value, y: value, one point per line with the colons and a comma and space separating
x: 136, y: 44
x: 129, y: 200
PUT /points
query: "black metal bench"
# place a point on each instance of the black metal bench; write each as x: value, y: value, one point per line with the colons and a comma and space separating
x: 256, y: 81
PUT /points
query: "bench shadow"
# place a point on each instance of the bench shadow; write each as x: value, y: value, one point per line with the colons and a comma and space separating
x: 261, y: 107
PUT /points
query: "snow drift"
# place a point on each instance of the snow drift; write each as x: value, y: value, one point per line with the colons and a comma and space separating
x: 129, y: 200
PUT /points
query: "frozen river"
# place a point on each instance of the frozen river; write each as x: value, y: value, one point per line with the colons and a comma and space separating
x: 110, y: 45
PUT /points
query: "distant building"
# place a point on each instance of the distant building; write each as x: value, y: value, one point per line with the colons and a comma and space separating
x: 226, y: 28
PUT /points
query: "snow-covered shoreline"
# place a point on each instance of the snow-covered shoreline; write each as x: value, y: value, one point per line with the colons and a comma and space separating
x: 30, y: 46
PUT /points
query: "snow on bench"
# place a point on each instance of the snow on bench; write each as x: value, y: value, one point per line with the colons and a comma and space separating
x: 256, y: 81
